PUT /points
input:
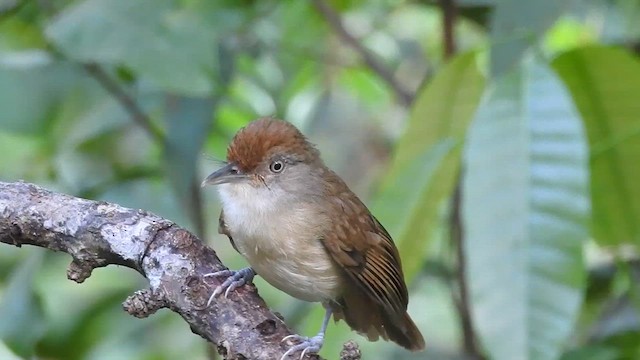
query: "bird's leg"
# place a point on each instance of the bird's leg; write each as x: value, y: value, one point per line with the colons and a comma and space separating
x: 309, y: 345
x: 235, y: 279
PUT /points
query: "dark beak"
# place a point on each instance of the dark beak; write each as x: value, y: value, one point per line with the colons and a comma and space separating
x: 228, y: 174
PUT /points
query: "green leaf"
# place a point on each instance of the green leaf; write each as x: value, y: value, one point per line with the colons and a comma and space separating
x: 568, y: 33
x: 188, y: 124
x: 605, y: 84
x: 515, y: 26
x: 81, y: 332
x: 626, y: 342
x: 168, y: 46
x: 19, y: 33
x: 408, y: 194
x: 525, y: 212
x: 593, y: 352
x: 23, y: 323
x: 103, y: 115
x: 366, y: 86
x: 31, y: 84
x: 427, y: 159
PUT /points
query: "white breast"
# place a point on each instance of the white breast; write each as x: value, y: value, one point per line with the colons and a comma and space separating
x: 280, y: 240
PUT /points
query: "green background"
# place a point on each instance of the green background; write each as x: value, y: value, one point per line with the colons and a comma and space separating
x: 497, y: 140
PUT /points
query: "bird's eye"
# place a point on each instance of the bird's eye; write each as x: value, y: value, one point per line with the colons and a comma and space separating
x: 276, y: 166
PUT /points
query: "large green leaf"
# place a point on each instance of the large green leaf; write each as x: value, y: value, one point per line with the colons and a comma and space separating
x: 31, y: 84
x: 525, y: 211
x: 23, y: 322
x: 605, y: 84
x: 188, y: 124
x: 153, y: 37
x: 427, y: 159
x: 516, y: 25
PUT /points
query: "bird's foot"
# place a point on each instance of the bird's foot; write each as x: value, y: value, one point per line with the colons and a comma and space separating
x: 308, y: 345
x: 235, y: 279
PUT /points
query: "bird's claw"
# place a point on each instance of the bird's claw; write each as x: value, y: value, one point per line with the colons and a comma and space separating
x: 234, y: 280
x: 308, y: 345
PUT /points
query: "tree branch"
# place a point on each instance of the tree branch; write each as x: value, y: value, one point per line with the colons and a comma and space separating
x: 332, y: 17
x: 174, y: 261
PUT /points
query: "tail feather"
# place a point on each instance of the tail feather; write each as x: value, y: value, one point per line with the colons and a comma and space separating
x: 371, y: 320
x: 404, y: 333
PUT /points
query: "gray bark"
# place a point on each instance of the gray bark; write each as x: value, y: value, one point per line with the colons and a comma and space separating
x: 173, y: 260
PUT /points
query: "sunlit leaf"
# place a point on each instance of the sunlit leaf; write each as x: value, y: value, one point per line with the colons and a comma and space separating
x: 18, y: 34
x: 366, y: 86
x: 427, y: 159
x: 605, y: 84
x: 567, y: 34
x: 525, y: 211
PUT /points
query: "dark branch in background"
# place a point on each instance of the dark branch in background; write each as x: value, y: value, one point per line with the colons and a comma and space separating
x: 449, y: 13
x: 125, y: 100
x: 174, y: 261
x: 113, y: 88
x: 333, y: 19
x: 469, y: 342
x: 456, y: 231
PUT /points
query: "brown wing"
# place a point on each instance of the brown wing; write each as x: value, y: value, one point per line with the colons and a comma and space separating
x: 360, y: 245
x: 223, y: 229
x: 374, y: 300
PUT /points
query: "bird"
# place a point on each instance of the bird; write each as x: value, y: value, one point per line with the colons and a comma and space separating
x: 302, y: 229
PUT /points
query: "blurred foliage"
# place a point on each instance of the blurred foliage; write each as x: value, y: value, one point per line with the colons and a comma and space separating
x: 536, y: 116
x: 526, y: 218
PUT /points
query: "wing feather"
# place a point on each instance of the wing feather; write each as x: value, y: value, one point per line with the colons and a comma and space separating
x: 365, y: 250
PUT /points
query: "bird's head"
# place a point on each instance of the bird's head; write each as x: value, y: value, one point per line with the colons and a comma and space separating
x: 271, y: 154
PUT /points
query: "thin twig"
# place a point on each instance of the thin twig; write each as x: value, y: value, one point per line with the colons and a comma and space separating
x: 462, y: 302
x: 449, y: 13
x: 113, y: 88
x: 125, y: 100
x: 333, y: 18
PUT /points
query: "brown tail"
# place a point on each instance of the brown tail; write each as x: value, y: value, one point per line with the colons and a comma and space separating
x: 405, y: 333
x: 371, y: 320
